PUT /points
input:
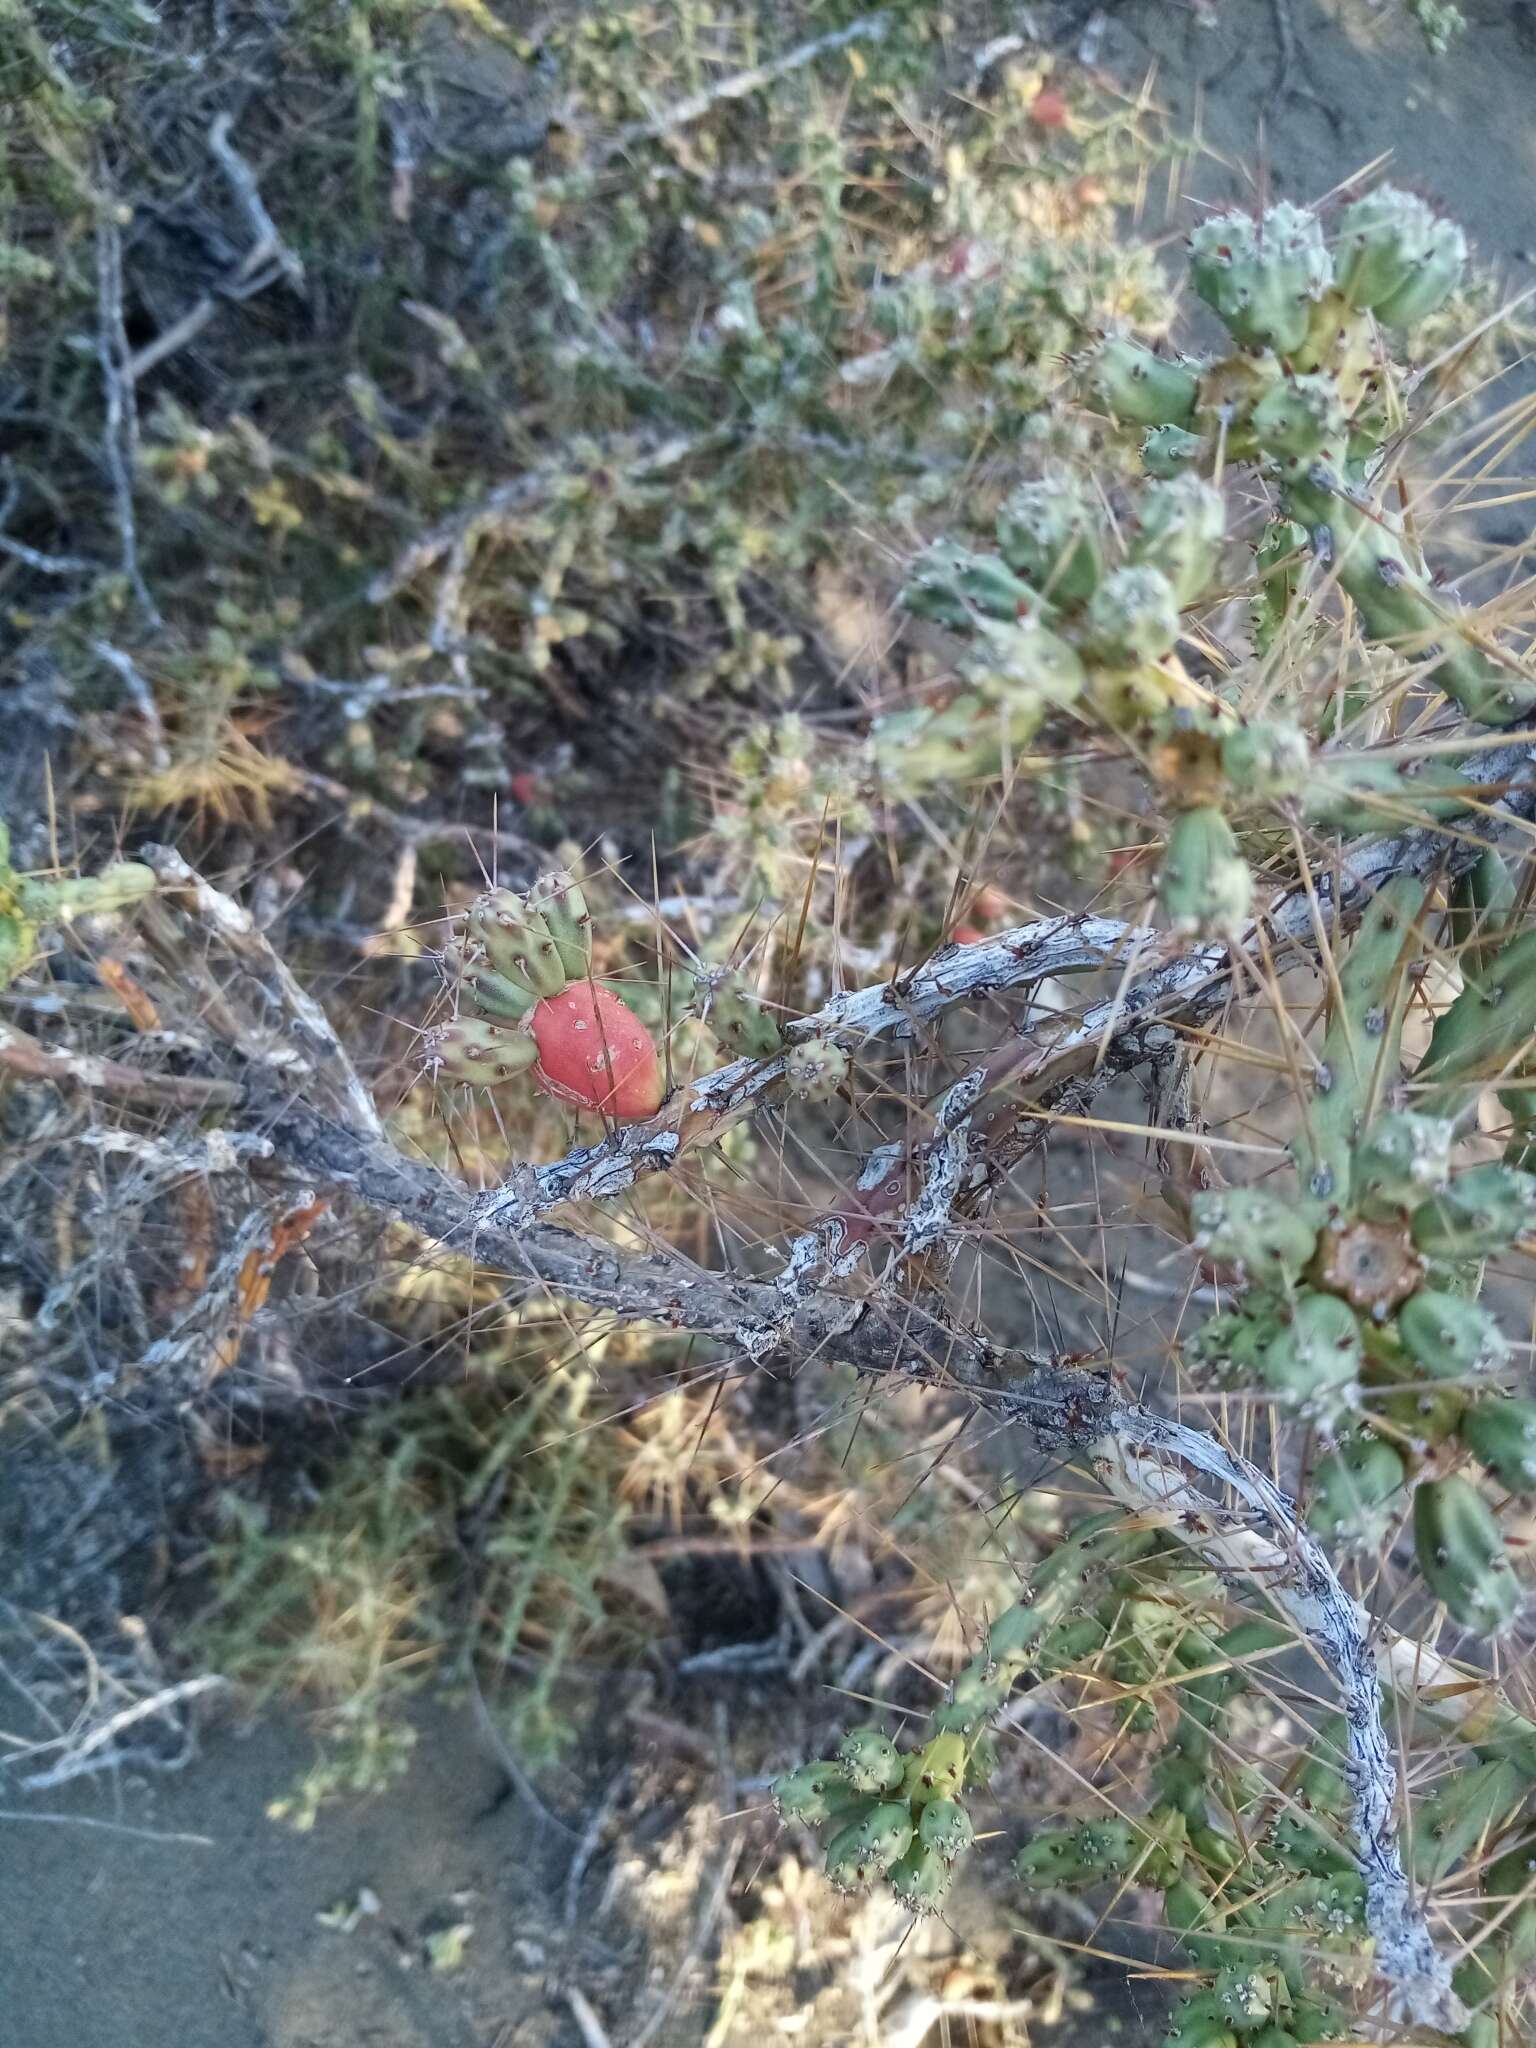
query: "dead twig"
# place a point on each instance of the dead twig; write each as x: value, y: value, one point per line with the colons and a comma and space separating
x: 593, y: 2033
x: 85, y: 1754
x: 682, y: 113
x: 297, y: 1012
x: 22, y: 1054
x: 120, y: 434
x: 30, y: 557
x: 266, y: 260
x: 140, y: 695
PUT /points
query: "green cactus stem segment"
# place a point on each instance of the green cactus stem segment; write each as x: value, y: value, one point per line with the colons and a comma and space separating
x: 1502, y: 1433
x: 1180, y: 525
x: 558, y: 899
x: 1487, y: 1033
x: 1262, y: 277
x: 1361, y: 1045
x: 972, y: 738
x: 1313, y: 1365
x: 1391, y: 249
x: 738, y: 1018
x: 813, y: 1794
x: 815, y: 1068
x: 1394, y: 598
x: 1451, y: 1338
x: 1267, y: 759
x: 1169, y: 451
x: 1395, y: 256
x: 1353, y: 1492
x: 920, y: 1880
x: 28, y: 903
x: 1141, y: 388
x: 866, y: 1848
x: 508, y: 1001
x: 1270, y: 1236
x: 1355, y: 793
x: 516, y: 941
x: 1482, y: 1211
x: 1484, y: 904
x: 1049, y: 533
x: 1133, y: 618
x: 945, y: 1827
x: 477, y: 1053
x: 953, y: 584
x: 1461, y: 1553
x: 1280, y: 561
x: 1463, y: 1815
x: 1300, y: 418
x: 1402, y: 1159
x: 871, y: 1760
x: 1205, y: 886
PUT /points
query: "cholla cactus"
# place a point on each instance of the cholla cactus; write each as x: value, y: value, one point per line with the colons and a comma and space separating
x: 1247, y: 1899
x: 29, y: 903
x: 1353, y: 1318
x: 737, y: 1015
x: 1461, y: 1553
x: 1263, y: 278
x: 525, y: 965
x: 1310, y: 398
x: 1265, y: 1901
x: 1079, y: 615
x: 1360, y: 1308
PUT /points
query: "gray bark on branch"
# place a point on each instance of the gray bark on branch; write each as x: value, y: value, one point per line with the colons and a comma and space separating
x: 1064, y: 1407
x: 1173, y: 986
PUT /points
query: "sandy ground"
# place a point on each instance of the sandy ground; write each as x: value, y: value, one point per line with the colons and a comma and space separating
x: 210, y: 1936
x: 1460, y: 129
x: 440, y: 1916
x: 110, y: 1939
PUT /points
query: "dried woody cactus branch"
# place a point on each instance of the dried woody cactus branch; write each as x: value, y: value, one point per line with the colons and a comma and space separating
x: 1142, y: 1457
x: 1067, y: 1409
x: 1173, y: 984
x: 1135, y: 1458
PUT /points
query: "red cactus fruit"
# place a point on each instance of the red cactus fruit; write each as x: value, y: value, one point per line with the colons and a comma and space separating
x: 595, y: 1053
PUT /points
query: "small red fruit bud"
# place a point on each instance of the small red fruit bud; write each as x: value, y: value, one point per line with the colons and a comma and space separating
x: 595, y: 1053
x: 1048, y: 109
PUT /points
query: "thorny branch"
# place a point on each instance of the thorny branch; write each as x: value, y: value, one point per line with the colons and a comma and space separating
x: 1175, y: 987
x: 267, y: 258
x: 1133, y: 1458
x: 338, y: 1147
x: 1065, y: 1408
